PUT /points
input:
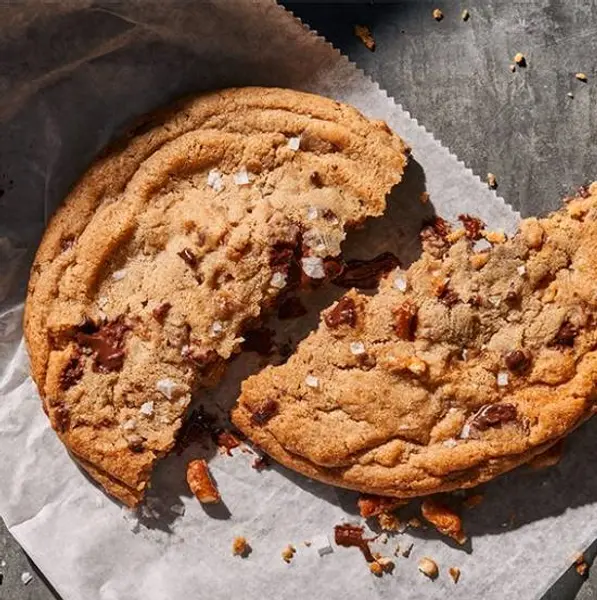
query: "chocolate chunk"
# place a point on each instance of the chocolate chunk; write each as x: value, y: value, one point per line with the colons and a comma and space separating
x: 566, y: 335
x: 518, y: 361
x: 160, y: 312
x: 316, y: 179
x: 285, y: 258
x: 227, y: 441
x: 352, y: 536
x: 265, y: 412
x: 291, y: 308
x: 106, y: 341
x: 344, y: 313
x: 259, y: 340
x: 448, y: 297
x: 493, y: 415
x: 72, y: 372
x: 189, y: 257
x: 405, y: 320
x: 472, y: 226
x: 61, y: 418
x: 365, y: 274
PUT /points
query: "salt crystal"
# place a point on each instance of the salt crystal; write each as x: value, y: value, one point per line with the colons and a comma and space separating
x: 241, y: 177
x: 216, y: 328
x: 178, y: 509
x: 313, y: 267
x: 450, y: 443
x: 495, y: 300
x: 502, y: 378
x: 357, y: 348
x: 294, y: 143
x: 400, y: 283
x: 147, y: 408
x: 129, y: 425
x: 118, y: 275
x: 2, y: 563
x: 166, y: 387
x: 312, y: 381
x: 102, y: 301
x: 278, y: 280
x: 322, y: 544
x: 466, y: 432
x: 215, y: 181
x: 26, y: 577
x: 521, y: 270
x: 312, y: 213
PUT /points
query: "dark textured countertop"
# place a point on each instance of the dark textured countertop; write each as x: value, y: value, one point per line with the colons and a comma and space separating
x: 454, y: 77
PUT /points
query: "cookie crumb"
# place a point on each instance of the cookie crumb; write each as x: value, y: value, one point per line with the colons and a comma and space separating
x: 376, y: 569
x: 388, y: 522
x: 465, y: 15
x: 406, y: 552
x: 437, y: 14
x: 479, y: 260
x: 364, y: 34
x: 288, y: 553
x: 201, y: 483
x: 492, y: 181
x: 424, y: 198
x: 26, y: 577
x: 240, y: 547
x: 428, y: 567
x: 520, y: 59
x: 414, y: 522
x: 495, y: 237
x: 454, y: 574
x: 582, y: 77
x: 512, y: 68
x: 381, y: 565
x: 570, y: 95
x: 581, y: 565
x: 445, y: 520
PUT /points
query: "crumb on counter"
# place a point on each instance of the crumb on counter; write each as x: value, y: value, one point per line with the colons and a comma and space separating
x: 364, y: 34
x: 201, y: 483
x: 288, y: 553
x: 520, y: 59
x: 492, y: 181
x: 445, y: 520
x: 428, y: 567
x: 465, y: 15
x: 582, y: 77
x: 437, y: 14
x: 240, y: 547
x: 454, y: 574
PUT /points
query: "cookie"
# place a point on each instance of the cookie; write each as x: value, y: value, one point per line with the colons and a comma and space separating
x: 460, y: 368
x: 172, y: 244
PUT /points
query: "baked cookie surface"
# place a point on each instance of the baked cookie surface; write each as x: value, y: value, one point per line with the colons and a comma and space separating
x: 172, y: 244
x: 460, y: 368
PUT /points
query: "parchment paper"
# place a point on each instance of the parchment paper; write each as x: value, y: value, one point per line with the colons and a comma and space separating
x: 71, y: 75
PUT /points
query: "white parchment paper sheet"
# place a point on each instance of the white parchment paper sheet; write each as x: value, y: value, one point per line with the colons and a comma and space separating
x: 71, y: 75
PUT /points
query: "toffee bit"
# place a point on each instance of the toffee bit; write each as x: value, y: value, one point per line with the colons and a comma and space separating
x: 288, y: 553
x: 364, y: 34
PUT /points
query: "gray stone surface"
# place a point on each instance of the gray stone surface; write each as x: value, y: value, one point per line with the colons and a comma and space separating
x: 454, y: 77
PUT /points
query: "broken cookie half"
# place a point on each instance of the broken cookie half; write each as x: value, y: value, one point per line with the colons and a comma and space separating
x: 172, y: 244
x: 462, y: 367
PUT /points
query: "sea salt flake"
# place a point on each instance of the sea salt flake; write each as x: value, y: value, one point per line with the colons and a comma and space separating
x: 216, y: 328
x: 322, y: 544
x: 313, y: 267
x: 315, y: 240
x: 521, y: 270
x: 178, y: 509
x: 129, y: 425
x: 166, y: 387
x: 466, y: 432
x: 502, y: 379
x: 357, y: 348
x: 147, y: 408
x: 26, y: 577
x: 278, y: 280
x: 215, y: 181
x: 450, y: 443
x: 400, y: 283
x: 241, y: 177
x: 312, y: 213
x: 312, y: 381
x: 102, y: 301
x: 294, y: 143
x: 119, y: 275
